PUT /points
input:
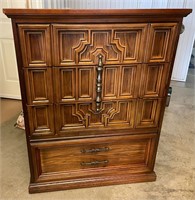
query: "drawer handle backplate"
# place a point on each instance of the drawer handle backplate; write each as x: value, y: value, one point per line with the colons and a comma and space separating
x: 96, y: 162
x: 95, y: 150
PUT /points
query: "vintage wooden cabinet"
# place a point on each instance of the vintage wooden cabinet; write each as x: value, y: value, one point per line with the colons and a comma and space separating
x: 94, y: 86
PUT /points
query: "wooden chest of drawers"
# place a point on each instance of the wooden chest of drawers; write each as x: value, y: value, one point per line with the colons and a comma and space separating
x: 94, y: 86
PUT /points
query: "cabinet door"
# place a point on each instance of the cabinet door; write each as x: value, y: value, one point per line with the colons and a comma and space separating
x: 161, y: 43
x: 74, y: 44
x: 35, y: 45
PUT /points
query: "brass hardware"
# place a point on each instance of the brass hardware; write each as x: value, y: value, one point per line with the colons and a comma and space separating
x: 95, y: 150
x: 97, y: 162
x: 99, y: 83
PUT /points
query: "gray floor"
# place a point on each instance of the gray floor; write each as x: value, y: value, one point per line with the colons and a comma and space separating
x: 175, y: 162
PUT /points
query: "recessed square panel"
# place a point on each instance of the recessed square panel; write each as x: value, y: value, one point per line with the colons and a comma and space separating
x: 41, y: 120
x: 148, y: 113
x: 154, y: 79
x: 39, y: 85
x: 35, y: 45
x: 161, y: 42
x: 86, y: 83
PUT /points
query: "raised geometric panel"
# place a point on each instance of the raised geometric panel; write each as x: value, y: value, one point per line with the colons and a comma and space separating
x: 132, y: 41
x: 68, y: 117
x: 161, y: 42
x: 65, y: 43
x: 65, y: 87
x: 83, y: 115
x: 39, y: 85
x: 148, y: 112
x: 75, y: 45
x: 35, y: 45
x: 124, y: 115
x: 85, y: 83
x: 41, y: 120
x: 74, y: 83
x: 110, y: 82
x: 100, y: 43
x: 153, y: 80
x: 128, y: 81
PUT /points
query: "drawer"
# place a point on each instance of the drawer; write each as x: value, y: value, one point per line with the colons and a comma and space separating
x: 80, y: 44
x: 91, y: 157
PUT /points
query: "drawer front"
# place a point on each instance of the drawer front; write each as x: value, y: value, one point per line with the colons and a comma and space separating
x: 91, y: 157
x: 80, y: 44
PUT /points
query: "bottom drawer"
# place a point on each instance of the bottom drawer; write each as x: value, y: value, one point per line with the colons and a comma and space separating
x: 60, y: 160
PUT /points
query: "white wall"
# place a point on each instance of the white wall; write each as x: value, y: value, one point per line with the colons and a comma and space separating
x: 9, y: 83
x: 186, y: 40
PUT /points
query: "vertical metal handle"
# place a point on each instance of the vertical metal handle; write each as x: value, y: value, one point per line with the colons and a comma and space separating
x: 99, y: 83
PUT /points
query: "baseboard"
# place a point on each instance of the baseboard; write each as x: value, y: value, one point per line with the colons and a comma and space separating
x: 91, y: 182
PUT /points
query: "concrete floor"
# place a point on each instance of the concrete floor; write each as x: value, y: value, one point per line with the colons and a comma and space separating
x: 175, y: 163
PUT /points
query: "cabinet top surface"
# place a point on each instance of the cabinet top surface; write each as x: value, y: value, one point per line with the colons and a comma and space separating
x: 46, y: 13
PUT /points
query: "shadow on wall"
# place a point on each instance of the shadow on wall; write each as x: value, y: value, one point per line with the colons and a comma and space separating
x: 192, y: 61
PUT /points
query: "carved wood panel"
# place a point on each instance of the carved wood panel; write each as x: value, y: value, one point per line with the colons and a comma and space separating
x: 148, y: 112
x: 154, y: 79
x: 39, y: 85
x: 129, y: 81
x: 78, y: 83
x: 35, y: 45
x: 117, y: 43
x: 121, y: 81
x: 65, y: 88
x: 41, y: 120
x: 83, y: 115
x: 111, y: 82
x: 86, y: 81
x: 74, y: 83
x: 161, y: 42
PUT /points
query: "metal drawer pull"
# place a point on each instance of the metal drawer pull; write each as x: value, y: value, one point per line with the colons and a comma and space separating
x: 97, y: 162
x: 99, y: 70
x: 95, y: 150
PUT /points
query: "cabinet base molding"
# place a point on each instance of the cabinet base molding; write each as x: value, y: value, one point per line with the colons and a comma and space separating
x: 91, y: 182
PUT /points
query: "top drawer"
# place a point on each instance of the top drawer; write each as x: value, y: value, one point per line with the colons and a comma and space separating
x: 35, y: 44
x: 65, y: 45
x: 81, y: 44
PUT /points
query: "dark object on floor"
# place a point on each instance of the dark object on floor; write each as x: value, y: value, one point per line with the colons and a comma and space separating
x: 169, y: 96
